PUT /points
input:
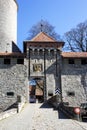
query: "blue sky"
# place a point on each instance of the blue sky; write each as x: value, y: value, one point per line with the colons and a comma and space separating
x: 62, y: 14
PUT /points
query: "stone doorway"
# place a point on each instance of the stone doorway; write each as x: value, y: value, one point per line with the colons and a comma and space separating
x: 36, y: 90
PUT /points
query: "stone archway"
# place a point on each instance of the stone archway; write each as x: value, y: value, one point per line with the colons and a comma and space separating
x: 36, y: 90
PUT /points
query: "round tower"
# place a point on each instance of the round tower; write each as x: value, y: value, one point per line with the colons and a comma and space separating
x: 8, y: 24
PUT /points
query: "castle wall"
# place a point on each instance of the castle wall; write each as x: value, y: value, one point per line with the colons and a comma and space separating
x: 51, y: 75
x: 8, y: 24
x: 74, y: 82
x: 36, y: 58
x: 49, y: 70
x: 13, y: 83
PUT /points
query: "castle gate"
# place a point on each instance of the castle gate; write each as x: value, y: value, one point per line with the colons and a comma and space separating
x: 36, y: 89
x: 44, y: 64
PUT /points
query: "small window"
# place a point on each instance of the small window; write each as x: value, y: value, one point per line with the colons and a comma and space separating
x: 7, y: 61
x: 10, y: 93
x: 20, y: 61
x: 50, y: 93
x: 18, y: 98
x: 84, y: 61
x: 70, y: 94
x: 71, y: 61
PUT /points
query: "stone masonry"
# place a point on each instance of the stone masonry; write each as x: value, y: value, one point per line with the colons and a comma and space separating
x: 13, y: 83
x: 51, y: 69
x: 44, y: 53
x: 74, y: 82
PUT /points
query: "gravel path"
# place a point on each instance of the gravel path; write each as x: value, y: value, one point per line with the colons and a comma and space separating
x: 40, y: 117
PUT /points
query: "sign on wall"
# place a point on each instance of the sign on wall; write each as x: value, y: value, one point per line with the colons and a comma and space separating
x: 37, y: 67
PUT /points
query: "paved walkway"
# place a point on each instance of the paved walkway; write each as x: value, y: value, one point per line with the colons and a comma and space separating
x: 40, y: 117
x: 20, y: 121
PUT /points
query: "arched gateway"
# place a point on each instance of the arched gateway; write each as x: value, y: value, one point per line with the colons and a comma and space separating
x: 36, y: 90
x: 44, y: 63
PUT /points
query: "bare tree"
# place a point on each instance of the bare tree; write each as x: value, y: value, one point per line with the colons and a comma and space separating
x: 43, y: 26
x: 76, y: 38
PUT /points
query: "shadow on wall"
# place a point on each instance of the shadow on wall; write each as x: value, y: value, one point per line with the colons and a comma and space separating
x: 74, y: 70
x: 46, y: 105
x: 15, y: 48
x: 84, y: 83
x: 61, y: 115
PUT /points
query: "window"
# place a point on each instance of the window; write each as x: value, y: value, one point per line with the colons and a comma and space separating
x: 10, y: 93
x: 20, y: 61
x: 84, y: 61
x: 18, y: 98
x: 71, y: 61
x: 50, y: 92
x: 72, y: 93
x: 7, y: 61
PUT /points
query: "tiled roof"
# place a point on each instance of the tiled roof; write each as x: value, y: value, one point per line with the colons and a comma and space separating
x: 14, y: 54
x: 42, y: 40
x: 43, y: 37
x: 74, y: 54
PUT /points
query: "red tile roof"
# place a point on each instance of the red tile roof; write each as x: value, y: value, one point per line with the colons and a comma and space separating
x: 74, y: 54
x: 43, y: 37
x: 44, y: 41
x: 13, y: 54
x: 63, y: 54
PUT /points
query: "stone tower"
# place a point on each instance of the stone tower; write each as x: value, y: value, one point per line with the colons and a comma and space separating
x: 8, y: 24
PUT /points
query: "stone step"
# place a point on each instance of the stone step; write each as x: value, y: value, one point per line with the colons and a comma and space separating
x: 45, y: 111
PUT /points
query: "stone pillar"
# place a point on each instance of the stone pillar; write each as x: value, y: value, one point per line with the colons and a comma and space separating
x: 45, y: 89
x: 29, y: 63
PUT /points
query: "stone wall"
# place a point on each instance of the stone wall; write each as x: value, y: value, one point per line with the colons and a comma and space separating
x: 8, y: 24
x: 51, y: 74
x: 36, y: 58
x: 74, y: 82
x: 13, y: 83
x: 51, y: 69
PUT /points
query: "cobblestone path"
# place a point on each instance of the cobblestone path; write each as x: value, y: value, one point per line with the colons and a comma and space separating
x: 48, y: 119
x: 40, y: 117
